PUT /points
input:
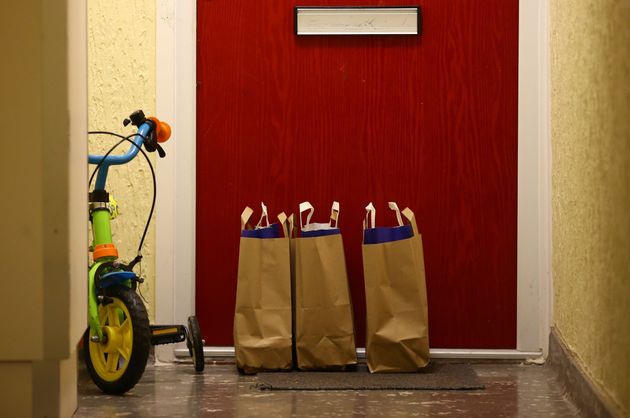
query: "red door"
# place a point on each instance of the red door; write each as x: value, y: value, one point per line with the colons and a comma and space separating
x: 428, y: 121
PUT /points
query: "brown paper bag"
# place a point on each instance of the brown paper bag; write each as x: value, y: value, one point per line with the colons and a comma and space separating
x: 396, y: 300
x: 324, y: 327
x: 262, y: 318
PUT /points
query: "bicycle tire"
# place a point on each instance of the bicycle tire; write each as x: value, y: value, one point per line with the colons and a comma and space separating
x: 126, y: 339
x: 195, y: 343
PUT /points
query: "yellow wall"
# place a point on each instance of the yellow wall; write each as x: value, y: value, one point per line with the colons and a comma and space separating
x: 121, y: 77
x: 590, y: 81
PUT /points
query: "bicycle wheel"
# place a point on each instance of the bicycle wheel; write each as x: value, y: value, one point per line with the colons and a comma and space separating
x: 117, y: 364
x: 195, y: 343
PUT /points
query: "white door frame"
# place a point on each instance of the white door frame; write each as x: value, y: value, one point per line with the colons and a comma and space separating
x: 176, y: 102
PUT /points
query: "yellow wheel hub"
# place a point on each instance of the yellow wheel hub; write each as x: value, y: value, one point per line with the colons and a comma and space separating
x: 111, y: 358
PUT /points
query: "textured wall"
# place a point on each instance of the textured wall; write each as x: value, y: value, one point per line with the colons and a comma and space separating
x: 590, y: 78
x: 121, y: 79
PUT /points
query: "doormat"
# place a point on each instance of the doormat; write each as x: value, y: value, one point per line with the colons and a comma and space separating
x: 436, y: 376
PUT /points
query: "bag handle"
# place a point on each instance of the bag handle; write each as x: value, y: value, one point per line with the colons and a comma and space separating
x: 304, y: 206
x: 370, y: 216
x: 334, y: 214
x: 282, y: 217
x: 412, y: 220
x: 247, y: 213
x: 393, y: 206
x: 264, y: 215
x: 291, y: 222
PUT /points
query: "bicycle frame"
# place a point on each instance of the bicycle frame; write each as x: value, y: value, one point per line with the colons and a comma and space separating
x: 101, y: 227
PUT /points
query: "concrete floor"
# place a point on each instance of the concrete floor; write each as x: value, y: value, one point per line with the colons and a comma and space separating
x: 512, y: 390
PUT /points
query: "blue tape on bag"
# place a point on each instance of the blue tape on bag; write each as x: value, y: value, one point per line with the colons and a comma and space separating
x: 320, y: 233
x: 383, y: 234
x: 271, y: 231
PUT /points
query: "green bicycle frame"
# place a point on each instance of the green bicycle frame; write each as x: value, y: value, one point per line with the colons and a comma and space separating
x: 102, y: 234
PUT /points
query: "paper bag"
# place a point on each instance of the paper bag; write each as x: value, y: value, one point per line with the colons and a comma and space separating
x: 396, y: 298
x: 262, y: 318
x: 324, y: 327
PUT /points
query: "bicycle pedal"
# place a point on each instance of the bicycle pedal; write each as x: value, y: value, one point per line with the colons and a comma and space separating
x: 167, y: 334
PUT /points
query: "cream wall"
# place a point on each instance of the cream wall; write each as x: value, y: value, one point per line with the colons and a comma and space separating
x: 43, y: 218
x: 121, y: 79
x: 590, y: 81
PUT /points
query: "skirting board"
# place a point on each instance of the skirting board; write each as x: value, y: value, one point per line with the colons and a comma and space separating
x: 435, y: 353
x: 577, y: 384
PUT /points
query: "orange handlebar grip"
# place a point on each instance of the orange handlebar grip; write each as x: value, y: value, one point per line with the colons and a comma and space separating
x: 164, y: 133
x: 162, y: 129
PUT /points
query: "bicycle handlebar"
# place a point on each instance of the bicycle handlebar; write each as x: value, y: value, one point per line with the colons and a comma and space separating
x: 150, y: 133
x: 138, y: 139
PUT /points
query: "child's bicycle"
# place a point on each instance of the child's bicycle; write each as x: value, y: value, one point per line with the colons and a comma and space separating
x: 117, y: 342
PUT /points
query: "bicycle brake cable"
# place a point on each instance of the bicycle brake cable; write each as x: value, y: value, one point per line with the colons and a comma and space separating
x: 146, y: 157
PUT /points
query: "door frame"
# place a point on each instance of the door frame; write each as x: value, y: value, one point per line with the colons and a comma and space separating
x: 176, y: 24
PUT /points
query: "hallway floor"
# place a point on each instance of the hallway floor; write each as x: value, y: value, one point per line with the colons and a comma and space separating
x: 512, y: 390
